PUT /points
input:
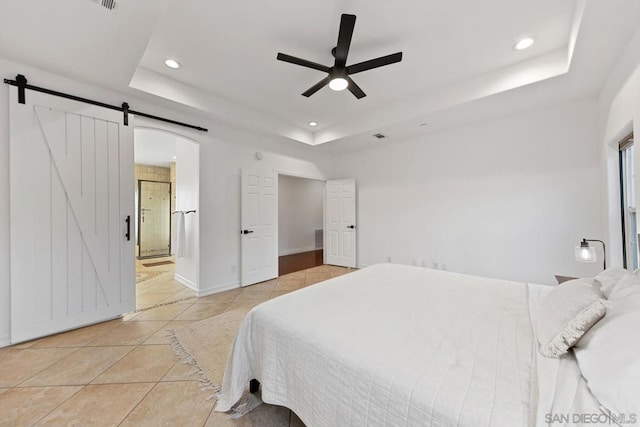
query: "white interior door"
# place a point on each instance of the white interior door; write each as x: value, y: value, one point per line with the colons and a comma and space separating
x: 340, y: 245
x: 71, y: 184
x: 259, y: 224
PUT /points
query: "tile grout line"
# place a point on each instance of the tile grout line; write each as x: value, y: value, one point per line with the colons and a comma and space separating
x: 143, y: 397
x: 213, y: 409
x: 101, y: 372
x: 46, y: 367
x: 61, y: 403
x: 137, y: 404
x: 329, y: 273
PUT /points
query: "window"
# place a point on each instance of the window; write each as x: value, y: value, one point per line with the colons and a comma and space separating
x: 628, y: 204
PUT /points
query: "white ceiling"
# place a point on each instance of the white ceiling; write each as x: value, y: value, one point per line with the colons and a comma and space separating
x: 154, y: 148
x: 458, y: 57
x: 230, y: 48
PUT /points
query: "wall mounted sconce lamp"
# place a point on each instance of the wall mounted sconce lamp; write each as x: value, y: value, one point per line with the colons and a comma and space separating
x: 586, y: 253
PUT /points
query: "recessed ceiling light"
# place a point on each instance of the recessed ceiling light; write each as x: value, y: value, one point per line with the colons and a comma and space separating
x: 174, y: 157
x: 312, y: 123
x: 172, y: 63
x: 524, y: 43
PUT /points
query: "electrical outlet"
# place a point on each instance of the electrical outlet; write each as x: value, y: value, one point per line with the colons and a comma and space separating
x: 233, y: 269
x: 435, y: 265
x: 388, y: 259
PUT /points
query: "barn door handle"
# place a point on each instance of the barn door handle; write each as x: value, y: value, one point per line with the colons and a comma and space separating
x: 246, y: 231
x: 128, y: 221
x: 351, y: 226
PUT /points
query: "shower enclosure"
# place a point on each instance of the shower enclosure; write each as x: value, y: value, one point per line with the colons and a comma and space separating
x: 154, y: 219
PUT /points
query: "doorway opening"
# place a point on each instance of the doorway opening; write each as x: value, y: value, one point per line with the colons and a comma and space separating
x: 153, y: 212
x: 300, y: 223
x: 167, y: 249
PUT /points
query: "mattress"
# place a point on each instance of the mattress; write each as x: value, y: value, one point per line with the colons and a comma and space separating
x: 392, y: 345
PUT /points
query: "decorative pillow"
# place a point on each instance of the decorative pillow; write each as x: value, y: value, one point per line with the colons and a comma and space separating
x: 615, y: 279
x: 566, y: 313
x: 562, y: 279
x: 609, y: 354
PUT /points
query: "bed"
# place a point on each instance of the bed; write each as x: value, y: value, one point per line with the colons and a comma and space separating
x: 407, y: 346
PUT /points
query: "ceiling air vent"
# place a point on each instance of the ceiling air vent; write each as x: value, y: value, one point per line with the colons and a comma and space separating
x: 379, y: 135
x: 108, y: 4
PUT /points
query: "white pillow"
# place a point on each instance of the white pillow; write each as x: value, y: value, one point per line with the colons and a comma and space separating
x: 609, y: 354
x: 614, y: 279
x: 566, y: 313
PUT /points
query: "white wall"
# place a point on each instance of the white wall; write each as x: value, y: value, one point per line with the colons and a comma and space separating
x: 619, y: 114
x: 508, y: 198
x: 223, y: 152
x: 5, y: 277
x: 187, y: 199
x: 221, y: 163
x: 300, y: 213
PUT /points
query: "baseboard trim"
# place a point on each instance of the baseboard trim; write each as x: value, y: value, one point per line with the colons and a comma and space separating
x: 218, y: 288
x: 299, y: 250
x: 186, y: 282
x: 5, y: 341
x: 206, y: 291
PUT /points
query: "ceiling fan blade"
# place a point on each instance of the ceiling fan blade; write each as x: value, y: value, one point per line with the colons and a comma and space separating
x: 316, y: 87
x: 299, y: 61
x: 374, y: 63
x: 347, y: 23
x: 355, y: 89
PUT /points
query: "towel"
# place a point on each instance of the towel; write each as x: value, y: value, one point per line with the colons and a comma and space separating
x: 181, y: 236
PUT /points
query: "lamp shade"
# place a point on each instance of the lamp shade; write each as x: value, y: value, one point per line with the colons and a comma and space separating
x: 585, y: 253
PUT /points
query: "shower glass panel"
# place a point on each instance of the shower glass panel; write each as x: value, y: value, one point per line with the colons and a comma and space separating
x: 154, y: 218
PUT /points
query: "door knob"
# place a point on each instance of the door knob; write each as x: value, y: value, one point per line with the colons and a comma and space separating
x: 246, y: 231
x: 351, y: 226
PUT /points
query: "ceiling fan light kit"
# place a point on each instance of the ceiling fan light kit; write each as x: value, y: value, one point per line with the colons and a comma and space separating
x: 338, y: 77
x: 338, y: 83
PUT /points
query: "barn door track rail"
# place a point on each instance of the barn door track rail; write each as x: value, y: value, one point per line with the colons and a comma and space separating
x: 21, y: 83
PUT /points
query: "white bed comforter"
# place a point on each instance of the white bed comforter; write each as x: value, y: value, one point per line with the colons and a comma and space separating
x: 391, y: 345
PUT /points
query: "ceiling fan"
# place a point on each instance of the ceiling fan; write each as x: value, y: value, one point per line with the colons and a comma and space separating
x: 338, y: 75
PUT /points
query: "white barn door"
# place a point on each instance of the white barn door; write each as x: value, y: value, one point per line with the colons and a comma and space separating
x: 259, y: 222
x: 340, y: 245
x: 71, y: 184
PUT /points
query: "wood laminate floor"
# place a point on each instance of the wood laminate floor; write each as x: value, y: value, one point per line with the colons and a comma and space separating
x: 298, y: 262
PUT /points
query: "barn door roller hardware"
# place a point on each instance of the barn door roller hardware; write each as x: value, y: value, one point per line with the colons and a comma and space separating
x: 22, y: 84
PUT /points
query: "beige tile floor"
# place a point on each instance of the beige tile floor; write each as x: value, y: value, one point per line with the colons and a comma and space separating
x: 123, y: 372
